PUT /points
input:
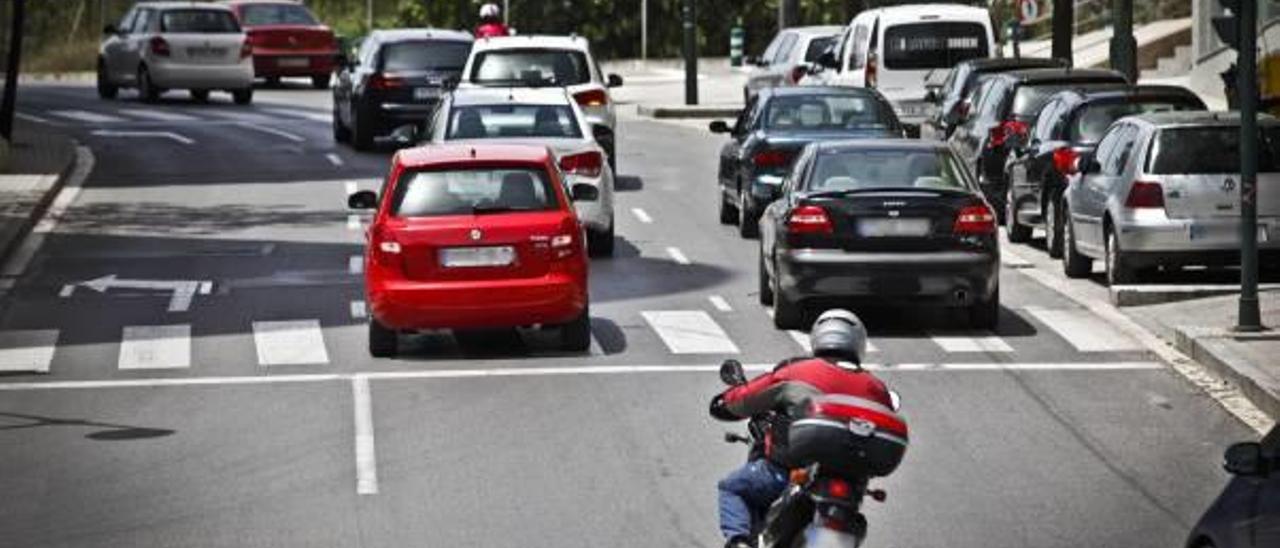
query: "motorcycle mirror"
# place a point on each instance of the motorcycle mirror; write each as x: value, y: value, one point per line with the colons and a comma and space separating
x: 895, y: 400
x: 731, y: 373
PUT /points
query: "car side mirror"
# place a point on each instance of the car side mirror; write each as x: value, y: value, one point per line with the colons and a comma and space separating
x: 583, y: 192
x: 719, y: 126
x: 364, y: 199
x: 406, y: 135
x: 614, y: 81
x: 731, y: 373
x: 1245, y: 459
x: 110, y: 29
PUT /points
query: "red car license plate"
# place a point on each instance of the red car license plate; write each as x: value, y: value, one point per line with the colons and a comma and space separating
x: 471, y: 257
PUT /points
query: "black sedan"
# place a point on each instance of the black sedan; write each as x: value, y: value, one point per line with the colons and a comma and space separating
x: 892, y: 221
x: 1247, y: 513
x: 395, y: 79
x: 1071, y: 124
x: 772, y: 129
x: 961, y: 80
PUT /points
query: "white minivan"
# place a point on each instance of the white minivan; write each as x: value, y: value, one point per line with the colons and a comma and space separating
x: 894, y: 49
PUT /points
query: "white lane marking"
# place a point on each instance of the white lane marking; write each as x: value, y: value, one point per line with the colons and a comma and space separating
x: 86, y: 116
x: 366, y: 455
x: 640, y: 214
x: 550, y: 371
x: 32, y: 118
x: 67, y: 290
x: 21, y: 257
x: 1086, y: 332
x: 273, y: 131
x: 159, y: 115
x: 314, y: 116
x: 981, y: 343
x: 353, y: 222
x: 355, y: 264
x: 206, y: 288
x: 241, y: 116
x: 156, y: 347
x: 182, y: 291
x: 352, y: 187
x: 29, y: 351
x: 720, y: 304
x: 677, y: 255
x: 289, y: 343
x: 595, y: 349
x: 145, y: 134
x: 334, y: 159
x: 801, y: 338
x: 358, y: 310
x: 690, y: 332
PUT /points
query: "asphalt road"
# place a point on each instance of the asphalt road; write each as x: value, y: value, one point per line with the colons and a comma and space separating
x: 247, y: 412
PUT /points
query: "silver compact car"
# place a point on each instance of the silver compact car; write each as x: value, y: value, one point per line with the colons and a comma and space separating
x: 159, y: 46
x: 1163, y: 190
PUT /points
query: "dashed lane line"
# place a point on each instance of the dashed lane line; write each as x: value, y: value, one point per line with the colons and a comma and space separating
x: 641, y: 215
x: 366, y: 455
x: 720, y: 303
x: 334, y: 159
x: 273, y: 131
x: 677, y: 255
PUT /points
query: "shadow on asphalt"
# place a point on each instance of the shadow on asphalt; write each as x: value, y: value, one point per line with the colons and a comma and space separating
x: 112, y: 432
x: 628, y: 183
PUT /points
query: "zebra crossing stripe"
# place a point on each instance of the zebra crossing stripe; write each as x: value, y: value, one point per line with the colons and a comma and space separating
x: 690, y: 332
x: 1085, y: 332
x: 156, y: 347
x: 27, y: 351
x: 289, y: 343
x: 86, y: 116
x: 159, y: 115
x: 982, y: 343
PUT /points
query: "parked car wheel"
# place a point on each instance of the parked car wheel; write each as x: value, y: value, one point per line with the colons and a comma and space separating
x: 383, y: 341
x: 242, y: 96
x: 1118, y: 270
x: 600, y: 242
x: 361, y: 133
x: 787, y: 314
x: 106, y: 90
x: 985, y: 314
x: 747, y: 217
x: 1018, y: 232
x: 575, y: 336
x: 147, y: 90
x: 1074, y: 265
x: 200, y: 95
x: 728, y: 211
x: 1053, y: 226
x: 766, y: 290
x: 320, y: 81
x: 341, y: 133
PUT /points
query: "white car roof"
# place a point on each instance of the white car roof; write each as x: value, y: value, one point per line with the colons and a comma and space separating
x: 929, y: 12
x: 519, y: 96
x: 576, y: 43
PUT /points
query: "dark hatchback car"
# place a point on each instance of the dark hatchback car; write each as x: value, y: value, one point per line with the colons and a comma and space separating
x: 395, y: 79
x: 1001, y: 113
x: 1070, y: 124
x: 770, y: 132
x: 1247, y: 513
x: 889, y: 221
x: 961, y: 80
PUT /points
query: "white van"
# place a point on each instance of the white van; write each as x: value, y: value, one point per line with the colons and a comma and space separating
x: 893, y: 50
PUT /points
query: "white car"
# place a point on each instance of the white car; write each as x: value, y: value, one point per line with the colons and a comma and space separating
x: 549, y: 117
x: 547, y: 61
x: 159, y: 46
x: 894, y: 49
x: 788, y: 58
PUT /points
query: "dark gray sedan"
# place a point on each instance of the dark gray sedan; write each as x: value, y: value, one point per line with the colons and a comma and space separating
x: 1247, y: 513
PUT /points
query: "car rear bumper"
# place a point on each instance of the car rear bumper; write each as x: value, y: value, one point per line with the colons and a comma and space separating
x: 417, y: 305
x: 273, y: 63
x: 1152, y: 239
x: 955, y: 278
x: 184, y: 76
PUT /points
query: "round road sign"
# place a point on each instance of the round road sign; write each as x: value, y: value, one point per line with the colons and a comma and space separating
x: 1029, y: 10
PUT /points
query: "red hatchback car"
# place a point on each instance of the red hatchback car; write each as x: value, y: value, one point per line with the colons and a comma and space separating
x: 287, y: 40
x: 474, y: 237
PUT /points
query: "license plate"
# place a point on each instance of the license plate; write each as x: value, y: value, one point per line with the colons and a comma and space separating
x: 913, y: 109
x: 471, y: 257
x: 880, y: 228
x: 422, y: 94
x: 206, y: 52
x: 293, y: 62
x: 1198, y: 232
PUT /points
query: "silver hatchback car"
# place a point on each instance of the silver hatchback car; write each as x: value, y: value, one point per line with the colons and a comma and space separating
x: 1164, y: 190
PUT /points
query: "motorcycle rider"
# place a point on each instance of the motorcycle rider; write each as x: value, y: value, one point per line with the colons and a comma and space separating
x: 839, y: 341
x: 491, y: 22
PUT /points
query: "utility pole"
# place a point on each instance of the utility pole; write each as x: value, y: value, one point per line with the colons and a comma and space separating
x: 1124, y: 49
x: 644, y: 30
x: 788, y: 13
x: 506, y: 12
x: 7, y: 105
x: 1250, y: 318
x: 1064, y: 17
x: 690, y: 53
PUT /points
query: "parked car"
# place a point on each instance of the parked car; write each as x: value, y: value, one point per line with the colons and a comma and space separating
x: 897, y: 221
x: 772, y: 129
x: 1247, y: 513
x: 960, y: 81
x: 395, y: 79
x: 158, y: 46
x: 789, y: 57
x: 474, y: 236
x: 1164, y: 190
x: 287, y: 40
x: 1070, y: 124
x: 546, y: 117
x: 548, y: 61
x: 893, y: 49
x: 1003, y: 110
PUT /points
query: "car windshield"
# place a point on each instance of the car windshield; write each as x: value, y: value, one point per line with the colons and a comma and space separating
x: 419, y: 55
x: 1211, y: 150
x: 816, y: 47
x: 824, y: 113
x: 253, y: 15
x: 918, y: 46
x: 506, y: 121
x: 1030, y: 98
x: 531, y: 68
x: 1092, y: 122
x: 198, y: 21
x: 853, y: 170
x: 465, y: 192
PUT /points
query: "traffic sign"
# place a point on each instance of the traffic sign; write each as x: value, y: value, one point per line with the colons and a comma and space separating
x: 1028, y: 10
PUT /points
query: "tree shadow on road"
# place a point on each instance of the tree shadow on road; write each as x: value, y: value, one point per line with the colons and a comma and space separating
x: 112, y: 432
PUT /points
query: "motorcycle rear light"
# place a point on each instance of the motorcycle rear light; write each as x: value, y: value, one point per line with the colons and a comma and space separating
x: 585, y: 164
x: 1144, y: 194
x: 975, y: 220
x: 838, y: 488
x: 1064, y: 160
x: 159, y: 47
x: 771, y: 159
x: 809, y: 219
x: 385, y: 82
x: 592, y: 98
x: 799, y: 476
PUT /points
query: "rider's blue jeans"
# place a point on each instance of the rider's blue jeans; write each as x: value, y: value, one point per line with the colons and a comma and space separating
x: 746, y: 493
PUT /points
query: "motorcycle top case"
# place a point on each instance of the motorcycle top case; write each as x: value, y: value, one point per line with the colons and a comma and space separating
x: 849, y: 436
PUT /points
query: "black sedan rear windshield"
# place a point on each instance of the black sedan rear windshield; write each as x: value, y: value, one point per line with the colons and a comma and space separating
x: 886, y: 168
x: 425, y: 55
x: 198, y: 21
x: 512, y: 121
x: 253, y: 15
x: 1030, y: 98
x: 1092, y: 121
x: 1210, y: 150
x: 473, y: 191
x: 825, y: 112
x: 531, y: 68
x: 918, y: 46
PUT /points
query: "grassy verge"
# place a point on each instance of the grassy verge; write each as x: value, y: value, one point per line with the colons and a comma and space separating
x: 74, y: 56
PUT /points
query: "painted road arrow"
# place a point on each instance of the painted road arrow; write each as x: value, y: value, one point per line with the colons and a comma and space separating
x: 183, y: 290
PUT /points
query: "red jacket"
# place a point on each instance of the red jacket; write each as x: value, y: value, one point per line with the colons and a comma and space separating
x: 486, y: 30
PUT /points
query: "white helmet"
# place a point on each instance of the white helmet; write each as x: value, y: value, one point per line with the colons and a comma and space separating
x: 489, y: 11
x: 840, y: 335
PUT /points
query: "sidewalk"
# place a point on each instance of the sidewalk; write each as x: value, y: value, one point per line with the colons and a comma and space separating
x: 39, y: 162
x: 1201, y: 328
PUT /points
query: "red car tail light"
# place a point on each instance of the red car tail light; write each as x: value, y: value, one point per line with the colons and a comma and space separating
x: 1006, y: 131
x: 809, y: 219
x: 563, y: 246
x: 385, y: 81
x: 975, y: 220
x: 771, y: 159
x: 872, y: 76
x: 1144, y: 194
x: 159, y: 47
x: 1064, y: 160
x: 592, y: 98
x: 585, y: 164
x: 384, y: 248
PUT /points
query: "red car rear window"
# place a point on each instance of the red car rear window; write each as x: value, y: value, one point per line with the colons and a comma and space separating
x: 275, y: 14
x: 473, y: 191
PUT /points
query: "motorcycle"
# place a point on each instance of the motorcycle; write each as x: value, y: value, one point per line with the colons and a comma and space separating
x: 821, y: 507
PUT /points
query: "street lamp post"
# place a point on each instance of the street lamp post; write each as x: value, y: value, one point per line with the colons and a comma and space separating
x: 690, y: 54
x: 1250, y: 317
x: 644, y: 30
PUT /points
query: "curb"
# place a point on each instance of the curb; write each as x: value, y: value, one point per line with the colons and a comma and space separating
x: 38, y: 210
x: 1142, y: 295
x: 689, y: 111
x: 1210, y: 348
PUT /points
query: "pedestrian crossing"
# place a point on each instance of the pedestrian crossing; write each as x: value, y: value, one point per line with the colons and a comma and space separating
x: 709, y: 332
x: 140, y: 115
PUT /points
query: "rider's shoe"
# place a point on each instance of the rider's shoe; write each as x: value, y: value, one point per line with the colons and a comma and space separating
x: 740, y: 542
